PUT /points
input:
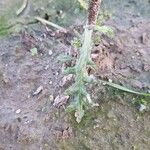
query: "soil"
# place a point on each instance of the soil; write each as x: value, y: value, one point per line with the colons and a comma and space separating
x: 29, y: 120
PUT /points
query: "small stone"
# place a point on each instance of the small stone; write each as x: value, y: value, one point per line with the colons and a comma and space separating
x: 58, y: 134
x: 6, y: 80
x: 137, y: 53
x: 50, y: 52
x: 137, y: 84
x: 18, y: 111
x: 95, y: 105
x: 144, y: 38
x: 60, y: 100
x: 46, y: 67
x: 44, y: 109
x: 94, y: 56
x: 57, y: 73
x: 111, y: 114
x: 39, y: 90
x: 27, y: 122
x: 46, y: 145
x: 146, y: 67
x: 66, y: 79
x: 96, y: 126
x: 110, y: 80
x: 51, y: 97
x: 142, y: 108
x: 65, y: 134
x: 50, y: 82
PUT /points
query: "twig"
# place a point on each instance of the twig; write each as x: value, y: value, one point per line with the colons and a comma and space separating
x: 22, y: 8
x: 43, y: 21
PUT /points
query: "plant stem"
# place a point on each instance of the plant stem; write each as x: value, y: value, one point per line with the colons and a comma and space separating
x: 85, y: 52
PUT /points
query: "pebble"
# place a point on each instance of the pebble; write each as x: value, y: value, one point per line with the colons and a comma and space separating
x: 96, y: 126
x: 27, y: 122
x: 50, y: 82
x: 111, y: 115
x: 60, y: 100
x: 110, y: 80
x: 39, y: 90
x: 142, y: 108
x: 47, y: 66
x: 66, y: 79
x: 137, y: 53
x: 18, y: 111
x: 51, y: 97
x: 144, y: 38
x: 94, y: 56
x: 57, y: 74
x: 50, y: 52
x: 146, y: 67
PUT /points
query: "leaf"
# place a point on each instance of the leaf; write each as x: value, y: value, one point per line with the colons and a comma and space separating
x: 79, y: 114
x: 83, y: 4
x: 71, y: 107
x: 34, y: 51
x: 76, y: 43
x: 70, y: 70
x: 105, y: 29
x: 90, y: 79
x: 72, y: 90
x: 91, y: 64
x: 117, y: 86
x: 64, y: 58
x: 22, y: 8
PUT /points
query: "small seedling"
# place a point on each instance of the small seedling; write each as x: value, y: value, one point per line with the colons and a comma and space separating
x: 78, y: 90
x: 81, y: 98
x: 34, y: 51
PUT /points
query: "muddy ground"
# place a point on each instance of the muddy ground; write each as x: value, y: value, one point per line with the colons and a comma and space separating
x: 30, y: 121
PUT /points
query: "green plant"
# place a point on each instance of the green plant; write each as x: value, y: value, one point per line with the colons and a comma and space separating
x: 83, y: 4
x: 78, y: 90
x: 81, y: 98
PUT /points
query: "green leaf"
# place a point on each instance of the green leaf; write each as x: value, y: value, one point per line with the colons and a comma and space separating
x: 70, y: 70
x: 105, y: 29
x: 91, y: 64
x: 90, y: 79
x: 34, y: 51
x: 64, y: 58
x: 79, y: 114
x: 117, y: 86
x: 76, y: 43
x: 72, y: 90
x: 71, y: 107
x: 83, y: 4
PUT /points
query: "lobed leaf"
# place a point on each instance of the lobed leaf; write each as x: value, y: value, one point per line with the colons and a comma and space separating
x: 70, y: 70
x: 117, y: 86
x: 64, y: 58
x: 83, y: 4
x: 105, y: 29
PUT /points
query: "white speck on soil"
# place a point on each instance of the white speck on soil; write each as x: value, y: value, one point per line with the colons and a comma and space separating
x: 39, y: 90
x: 50, y: 52
x: 142, y: 108
x: 18, y: 111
